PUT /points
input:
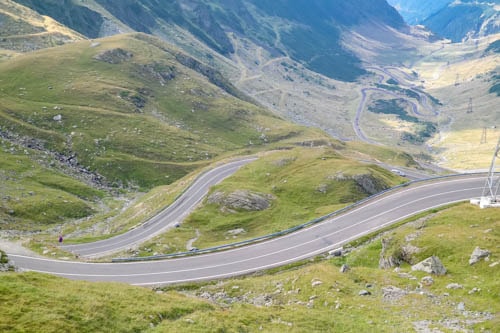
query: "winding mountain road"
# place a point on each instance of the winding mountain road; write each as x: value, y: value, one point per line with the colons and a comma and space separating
x: 167, y: 219
x: 373, y: 214
x: 422, y: 99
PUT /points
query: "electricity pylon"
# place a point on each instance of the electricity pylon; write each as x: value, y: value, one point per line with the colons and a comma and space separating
x: 483, y: 136
x: 491, y: 187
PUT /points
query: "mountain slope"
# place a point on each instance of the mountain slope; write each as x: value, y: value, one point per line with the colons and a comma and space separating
x: 415, y: 11
x: 307, y: 31
x: 455, y: 20
x: 79, y: 18
x: 129, y: 110
x: 465, y: 20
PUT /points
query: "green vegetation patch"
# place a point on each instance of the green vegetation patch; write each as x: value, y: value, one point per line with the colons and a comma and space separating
x: 392, y: 106
x: 40, y: 303
x: 35, y: 195
x: 388, y: 155
x: 423, y: 129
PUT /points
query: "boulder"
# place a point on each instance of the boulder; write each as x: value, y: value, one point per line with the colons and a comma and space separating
x: 390, y: 254
x: 369, y: 183
x: 242, y: 200
x: 427, y: 280
x: 236, y: 232
x: 454, y: 286
x: 431, y: 265
x: 364, y: 293
x: 114, y: 56
x: 477, y: 255
x: 391, y: 292
x: 316, y: 282
x: 344, y: 268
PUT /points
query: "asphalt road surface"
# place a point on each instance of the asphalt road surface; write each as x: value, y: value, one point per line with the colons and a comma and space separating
x: 374, y: 214
x: 166, y: 219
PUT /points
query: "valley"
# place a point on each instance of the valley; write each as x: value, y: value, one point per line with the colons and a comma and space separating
x: 252, y: 165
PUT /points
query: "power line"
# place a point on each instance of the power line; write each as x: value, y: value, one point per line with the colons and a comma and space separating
x: 483, y: 136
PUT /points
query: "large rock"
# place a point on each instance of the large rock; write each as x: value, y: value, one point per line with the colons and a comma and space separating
x: 389, y: 257
x: 5, y: 264
x: 431, y: 265
x: 242, y: 200
x: 477, y: 255
x: 392, y: 293
x: 369, y: 183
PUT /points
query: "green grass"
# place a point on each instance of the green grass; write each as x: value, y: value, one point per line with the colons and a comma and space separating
x: 305, y: 184
x: 33, y: 302
x: 387, y: 155
x: 34, y: 196
x: 39, y: 303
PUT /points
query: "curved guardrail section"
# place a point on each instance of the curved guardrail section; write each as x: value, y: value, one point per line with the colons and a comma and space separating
x: 290, y: 230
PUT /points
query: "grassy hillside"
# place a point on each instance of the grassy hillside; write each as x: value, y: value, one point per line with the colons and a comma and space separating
x: 299, y: 185
x: 83, y: 123
x: 35, y: 195
x: 312, y: 297
x: 128, y: 110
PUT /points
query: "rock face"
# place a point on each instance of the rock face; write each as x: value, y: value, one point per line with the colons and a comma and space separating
x: 370, y: 184
x: 241, y: 200
x: 431, y: 265
x: 477, y: 255
x: 388, y: 257
x: 114, y: 56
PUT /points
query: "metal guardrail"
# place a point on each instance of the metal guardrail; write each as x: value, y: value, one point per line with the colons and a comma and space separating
x: 292, y: 229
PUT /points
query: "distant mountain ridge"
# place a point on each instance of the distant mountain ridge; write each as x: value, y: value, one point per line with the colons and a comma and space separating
x: 455, y: 20
x: 416, y: 11
x: 307, y: 31
x: 465, y: 20
x: 24, y: 30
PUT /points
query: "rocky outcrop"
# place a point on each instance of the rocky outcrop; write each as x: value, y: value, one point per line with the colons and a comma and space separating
x: 241, y: 200
x: 364, y: 293
x: 393, y: 253
x: 114, y: 56
x: 454, y: 286
x: 390, y: 256
x: 214, y: 76
x: 369, y: 183
x: 393, y: 293
x: 477, y: 255
x: 157, y: 72
x: 344, y: 268
x: 5, y: 265
x: 431, y: 265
